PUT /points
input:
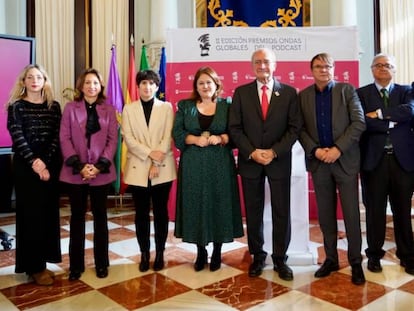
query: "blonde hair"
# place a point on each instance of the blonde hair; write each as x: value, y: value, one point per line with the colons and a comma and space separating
x: 19, y: 90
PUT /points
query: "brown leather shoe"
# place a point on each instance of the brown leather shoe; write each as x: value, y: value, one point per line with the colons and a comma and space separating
x: 42, y: 278
x: 51, y: 273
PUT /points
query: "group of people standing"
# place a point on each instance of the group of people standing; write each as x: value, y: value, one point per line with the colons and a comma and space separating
x: 76, y: 148
x: 344, y: 131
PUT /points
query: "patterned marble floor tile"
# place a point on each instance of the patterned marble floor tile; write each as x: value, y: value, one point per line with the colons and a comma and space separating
x: 125, y: 248
x: 6, y: 304
x: 121, y: 234
x: 9, y: 229
x: 239, y: 259
x: 7, y: 219
x: 64, y: 220
x: 9, y: 279
x: 89, y: 257
x: 29, y: 295
x: 124, y: 219
x: 189, y: 301
x: 395, y: 300
x: 296, y: 301
x: 173, y: 256
x: 342, y: 256
x: 92, y: 300
x: 243, y: 292
x: 142, y: 291
x: 408, y: 287
x: 185, y: 274
x: 179, y: 287
x: 302, y: 275
x: 7, y: 258
x: 119, y: 271
x: 338, y: 289
x: 392, y: 275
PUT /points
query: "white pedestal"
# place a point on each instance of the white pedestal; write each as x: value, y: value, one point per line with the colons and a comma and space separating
x: 299, y: 252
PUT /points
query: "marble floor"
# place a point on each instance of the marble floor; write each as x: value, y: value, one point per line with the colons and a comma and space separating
x: 179, y: 287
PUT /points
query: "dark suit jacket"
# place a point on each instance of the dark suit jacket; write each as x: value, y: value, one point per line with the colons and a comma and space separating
x: 279, y: 131
x: 347, y: 126
x: 400, y: 110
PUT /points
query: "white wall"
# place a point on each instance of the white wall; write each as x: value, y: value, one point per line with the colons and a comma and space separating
x: 350, y: 12
x: 13, y: 17
x: 177, y: 14
x: 365, y: 22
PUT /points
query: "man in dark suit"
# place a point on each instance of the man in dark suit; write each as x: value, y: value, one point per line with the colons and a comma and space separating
x: 333, y: 122
x: 387, y: 170
x: 265, y: 140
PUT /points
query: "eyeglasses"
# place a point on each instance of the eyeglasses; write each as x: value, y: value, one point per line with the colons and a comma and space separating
x: 320, y: 67
x: 380, y: 66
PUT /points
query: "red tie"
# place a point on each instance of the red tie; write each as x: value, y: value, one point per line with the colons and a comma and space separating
x: 265, y: 101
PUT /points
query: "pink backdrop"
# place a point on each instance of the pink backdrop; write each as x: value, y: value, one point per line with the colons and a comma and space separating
x: 180, y: 77
x: 15, y: 54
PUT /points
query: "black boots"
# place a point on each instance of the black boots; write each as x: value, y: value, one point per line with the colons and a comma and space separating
x: 159, y: 261
x: 215, y: 262
x: 201, y: 260
x: 144, y: 264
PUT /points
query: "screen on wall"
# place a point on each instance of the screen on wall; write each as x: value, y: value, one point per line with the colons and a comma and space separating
x: 15, y: 53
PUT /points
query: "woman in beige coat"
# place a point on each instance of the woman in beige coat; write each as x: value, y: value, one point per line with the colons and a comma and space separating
x: 150, y: 166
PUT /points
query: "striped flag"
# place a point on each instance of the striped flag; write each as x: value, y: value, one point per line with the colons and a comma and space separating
x: 161, y: 72
x: 131, y: 95
x: 144, y: 60
x: 132, y: 91
x: 115, y: 98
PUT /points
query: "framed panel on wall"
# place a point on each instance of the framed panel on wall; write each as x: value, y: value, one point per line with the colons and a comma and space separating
x: 270, y: 13
x: 15, y: 53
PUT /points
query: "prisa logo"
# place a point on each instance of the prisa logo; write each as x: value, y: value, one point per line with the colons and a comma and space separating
x: 204, y: 44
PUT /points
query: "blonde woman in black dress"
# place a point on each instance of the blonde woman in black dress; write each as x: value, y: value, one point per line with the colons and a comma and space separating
x: 33, y: 122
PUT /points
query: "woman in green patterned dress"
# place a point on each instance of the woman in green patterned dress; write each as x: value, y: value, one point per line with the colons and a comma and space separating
x: 208, y: 204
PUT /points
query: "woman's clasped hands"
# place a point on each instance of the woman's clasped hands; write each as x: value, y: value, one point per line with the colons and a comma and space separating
x: 89, y: 172
x: 204, y: 141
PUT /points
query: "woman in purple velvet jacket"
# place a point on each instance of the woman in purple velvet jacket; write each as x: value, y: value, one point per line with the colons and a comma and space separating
x: 88, y: 138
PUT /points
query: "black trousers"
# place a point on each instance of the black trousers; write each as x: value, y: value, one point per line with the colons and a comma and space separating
x: 78, y: 197
x: 37, y: 219
x: 143, y: 196
x: 254, y: 197
x: 327, y: 179
x: 388, y: 181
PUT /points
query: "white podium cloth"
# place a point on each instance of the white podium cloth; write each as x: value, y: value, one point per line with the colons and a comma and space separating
x: 299, y: 252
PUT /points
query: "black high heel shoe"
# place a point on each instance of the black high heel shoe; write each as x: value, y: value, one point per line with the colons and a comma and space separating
x: 144, y: 264
x: 101, y: 272
x: 215, y: 262
x: 74, y: 275
x: 201, y: 260
x: 158, y: 262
